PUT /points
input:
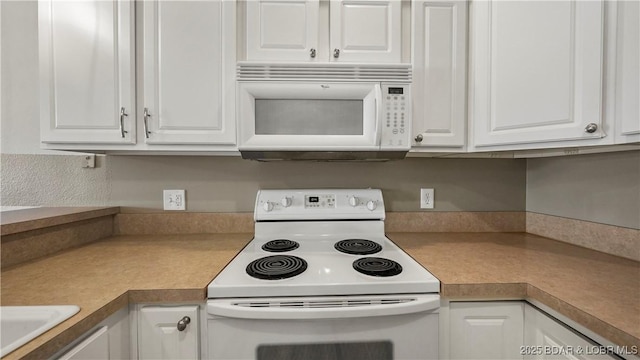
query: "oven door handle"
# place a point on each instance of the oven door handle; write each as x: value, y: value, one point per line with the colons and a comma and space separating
x: 231, y: 310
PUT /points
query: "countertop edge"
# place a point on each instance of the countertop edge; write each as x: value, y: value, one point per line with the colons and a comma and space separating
x: 64, y: 216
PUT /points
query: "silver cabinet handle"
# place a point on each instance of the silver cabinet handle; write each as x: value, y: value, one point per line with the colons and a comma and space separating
x: 122, y: 115
x: 591, y: 128
x: 336, y: 53
x: 182, y: 324
x: 146, y: 115
x: 419, y: 138
x: 312, y: 52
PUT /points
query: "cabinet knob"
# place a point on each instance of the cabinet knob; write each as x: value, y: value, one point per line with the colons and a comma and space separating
x: 312, y: 52
x: 336, y: 53
x: 419, y: 138
x: 591, y: 128
x: 182, y: 324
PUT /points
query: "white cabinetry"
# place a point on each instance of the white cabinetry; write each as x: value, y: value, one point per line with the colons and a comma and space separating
x: 536, y: 73
x: 186, y: 67
x: 96, y: 346
x: 278, y: 30
x: 165, y: 333
x: 108, y: 340
x: 546, y: 338
x: 86, y: 72
x: 628, y: 73
x: 486, y: 330
x: 294, y: 30
x: 188, y: 73
x: 439, y: 74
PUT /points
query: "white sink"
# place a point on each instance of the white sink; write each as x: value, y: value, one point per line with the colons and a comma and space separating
x: 21, y: 324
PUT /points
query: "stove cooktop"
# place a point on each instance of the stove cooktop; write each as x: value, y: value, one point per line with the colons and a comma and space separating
x: 316, y: 267
x: 321, y: 242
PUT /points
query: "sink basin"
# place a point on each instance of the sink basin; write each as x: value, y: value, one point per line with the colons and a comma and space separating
x: 21, y: 324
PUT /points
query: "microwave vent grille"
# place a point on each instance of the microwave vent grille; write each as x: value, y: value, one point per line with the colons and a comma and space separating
x: 247, y: 71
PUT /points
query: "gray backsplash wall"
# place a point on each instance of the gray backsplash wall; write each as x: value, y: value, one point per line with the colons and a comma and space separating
x: 229, y: 184
x: 603, y: 188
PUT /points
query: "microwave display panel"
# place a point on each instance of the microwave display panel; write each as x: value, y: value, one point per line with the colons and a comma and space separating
x: 395, y: 90
x: 308, y: 117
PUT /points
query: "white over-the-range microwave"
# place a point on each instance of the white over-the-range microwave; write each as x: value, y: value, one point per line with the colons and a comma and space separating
x: 317, y: 119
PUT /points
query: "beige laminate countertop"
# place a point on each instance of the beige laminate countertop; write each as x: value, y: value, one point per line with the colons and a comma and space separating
x: 107, y: 275
x: 599, y: 291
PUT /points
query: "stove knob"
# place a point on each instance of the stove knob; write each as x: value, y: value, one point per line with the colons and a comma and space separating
x: 286, y: 201
x: 371, y: 205
x: 353, y: 201
x: 267, y: 206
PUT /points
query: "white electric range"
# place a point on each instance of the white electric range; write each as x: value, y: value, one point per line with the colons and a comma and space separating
x: 320, y: 277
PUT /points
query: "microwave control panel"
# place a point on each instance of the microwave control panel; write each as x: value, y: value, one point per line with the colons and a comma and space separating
x: 396, y: 116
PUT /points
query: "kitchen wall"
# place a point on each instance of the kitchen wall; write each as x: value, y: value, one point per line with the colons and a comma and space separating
x: 603, y: 188
x: 31, y: 176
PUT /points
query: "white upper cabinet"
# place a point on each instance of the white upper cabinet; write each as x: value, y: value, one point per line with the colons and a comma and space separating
x: 536, y: 72
x: 188, y: 73
x: 439, y: 74
x: 322, y: 31
x: 282, y: 29
x: 366, y: 31
x: 87, y: 87
x: 627, y: 95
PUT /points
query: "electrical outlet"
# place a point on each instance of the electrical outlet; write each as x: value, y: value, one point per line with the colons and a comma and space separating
x: 174, y: 200
x: 427, y: 200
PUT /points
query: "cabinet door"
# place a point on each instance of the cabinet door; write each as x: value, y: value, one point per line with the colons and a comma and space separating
x: 552, y: 340
x: 95, y: 347
x: 536, y: 71
x: 159, y: 336
x: 439, y: 73
x: 366, y: 31
x: 628, y: 72
x: 284, y: 30
x: 86, y: 71
x: 491, y: 330
x: 188, y: 72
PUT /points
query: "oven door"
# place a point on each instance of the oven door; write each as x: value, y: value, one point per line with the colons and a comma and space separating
x: 346, y: 327
x: 301, y: 116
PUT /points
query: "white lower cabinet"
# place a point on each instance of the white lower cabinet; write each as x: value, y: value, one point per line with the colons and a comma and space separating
x: 486, y: 330
x: 96, y: 346
x: 512, y: 330
x: 110, y: 339
x: 169, y: 332
x: 547, y: 338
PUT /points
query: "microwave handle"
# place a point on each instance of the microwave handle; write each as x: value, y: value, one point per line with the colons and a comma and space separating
x: 379, y: 105
x: 230, y: 310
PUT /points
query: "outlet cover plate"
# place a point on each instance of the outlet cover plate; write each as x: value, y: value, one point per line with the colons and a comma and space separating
x: 427, y: 200
x: 174, y: 200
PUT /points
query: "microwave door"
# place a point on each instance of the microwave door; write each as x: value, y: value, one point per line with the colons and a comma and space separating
x: 309, y: 116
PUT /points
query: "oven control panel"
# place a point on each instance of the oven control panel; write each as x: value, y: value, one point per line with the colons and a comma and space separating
x: 319, y: 204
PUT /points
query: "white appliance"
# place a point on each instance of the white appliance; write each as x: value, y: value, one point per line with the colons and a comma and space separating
x: 343, y: 115
x: 321, y: 280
